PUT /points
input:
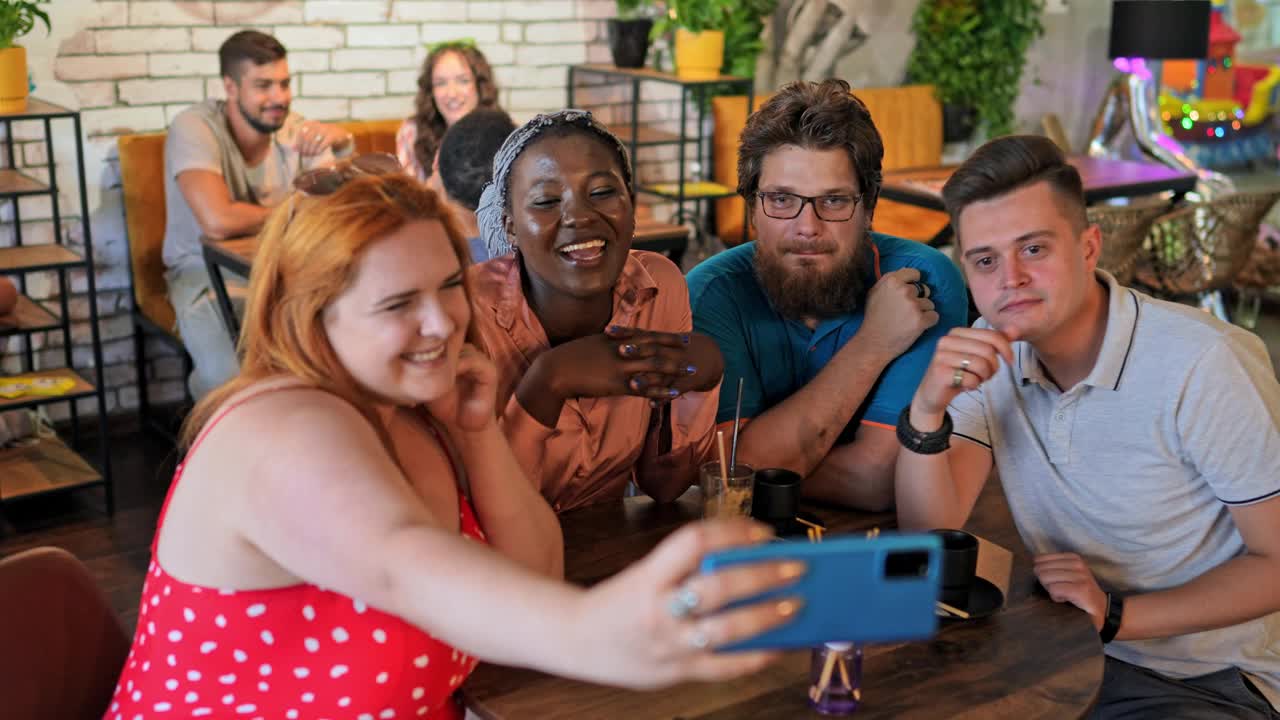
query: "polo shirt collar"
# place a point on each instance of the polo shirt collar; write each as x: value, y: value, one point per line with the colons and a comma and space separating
x: 1122, y: 321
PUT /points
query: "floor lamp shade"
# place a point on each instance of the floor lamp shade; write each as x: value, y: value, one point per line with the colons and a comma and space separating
x: 1159, y: 29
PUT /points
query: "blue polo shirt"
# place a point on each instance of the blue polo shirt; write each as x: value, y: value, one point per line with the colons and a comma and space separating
x: 777, y: 356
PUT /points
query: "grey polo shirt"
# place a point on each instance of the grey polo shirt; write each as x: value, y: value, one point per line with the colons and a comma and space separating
x: 1135, y: 468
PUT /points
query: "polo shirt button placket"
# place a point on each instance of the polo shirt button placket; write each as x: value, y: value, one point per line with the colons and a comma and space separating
x: 1060, y: 436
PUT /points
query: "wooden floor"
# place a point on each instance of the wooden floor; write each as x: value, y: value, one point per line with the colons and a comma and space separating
x: 116, y: 549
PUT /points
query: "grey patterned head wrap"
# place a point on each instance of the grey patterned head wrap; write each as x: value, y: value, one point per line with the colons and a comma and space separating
x: 492, y: 211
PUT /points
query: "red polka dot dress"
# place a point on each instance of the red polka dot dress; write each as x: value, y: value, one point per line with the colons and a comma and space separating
x: 281, y: 654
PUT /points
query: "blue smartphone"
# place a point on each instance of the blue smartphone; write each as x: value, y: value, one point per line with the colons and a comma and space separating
x: 856, y: 589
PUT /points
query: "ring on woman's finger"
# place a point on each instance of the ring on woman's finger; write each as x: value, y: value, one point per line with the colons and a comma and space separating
x: 920, y: 288
x: 699, y: 640
x: 683, y: 602
x: 957, y: 378
x: 964, y: 364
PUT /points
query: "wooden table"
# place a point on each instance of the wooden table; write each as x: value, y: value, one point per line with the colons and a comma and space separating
x: 1033, y: 659
x: 236, y: 255
x: 1103, y: 179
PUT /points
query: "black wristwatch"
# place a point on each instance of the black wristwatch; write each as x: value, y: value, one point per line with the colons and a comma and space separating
x: 924, y: 443
x: 1111, y: 624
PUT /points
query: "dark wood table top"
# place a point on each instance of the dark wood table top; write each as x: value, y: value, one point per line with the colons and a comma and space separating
x: 1033, y: 659
x: 236, y: 254
x: 1103, y: 179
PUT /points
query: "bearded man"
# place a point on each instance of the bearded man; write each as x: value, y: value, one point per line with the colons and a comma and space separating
x: 227, y: 163
x: 830, y: 326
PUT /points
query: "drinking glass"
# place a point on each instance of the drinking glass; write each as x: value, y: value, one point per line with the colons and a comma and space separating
x: 835, y: 678
x: 731, y: 501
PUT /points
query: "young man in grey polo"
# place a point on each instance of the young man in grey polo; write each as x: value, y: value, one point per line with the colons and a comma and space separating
x: 1138, y: 443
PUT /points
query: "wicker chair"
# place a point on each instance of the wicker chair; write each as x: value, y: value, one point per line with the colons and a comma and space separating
x: 1124, y: 229
x: 1201, y: 248
x: 1261, y: 274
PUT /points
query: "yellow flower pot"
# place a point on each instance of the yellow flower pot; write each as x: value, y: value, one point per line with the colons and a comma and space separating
x: 699, y: 55
x: 13, y: 80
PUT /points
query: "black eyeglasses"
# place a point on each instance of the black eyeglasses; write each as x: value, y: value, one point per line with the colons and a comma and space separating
x: 787, y: 206
x: 327, y: 180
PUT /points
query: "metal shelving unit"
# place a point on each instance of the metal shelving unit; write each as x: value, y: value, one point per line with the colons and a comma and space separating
x: 637, y: 136
x: 48, y: 464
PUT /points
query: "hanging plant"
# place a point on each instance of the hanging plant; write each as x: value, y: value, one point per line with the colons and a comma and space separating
x: 973, y: 53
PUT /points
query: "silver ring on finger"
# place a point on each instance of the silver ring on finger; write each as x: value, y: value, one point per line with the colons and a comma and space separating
x: 683, y: 602
x: 699, y: 640
x: 964, y: 364
x: 957, y: 378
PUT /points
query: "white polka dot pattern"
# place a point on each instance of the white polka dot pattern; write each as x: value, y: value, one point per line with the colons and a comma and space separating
x: 294, y: 652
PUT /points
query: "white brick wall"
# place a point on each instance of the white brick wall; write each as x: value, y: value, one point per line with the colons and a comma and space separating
x: 258, y: 13
x: 163, y: 64
x: 429, y: 10
x: 169, y: 13
x: 348, y: 84
x: 151, y: 39
x: 130, y: 66
x: 367, y: 59
x: 93, y: 67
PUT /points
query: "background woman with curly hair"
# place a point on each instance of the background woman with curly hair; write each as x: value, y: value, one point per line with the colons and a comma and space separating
x: 455, y: 79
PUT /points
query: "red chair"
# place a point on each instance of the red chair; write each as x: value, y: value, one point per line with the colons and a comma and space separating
x: 61, y: 646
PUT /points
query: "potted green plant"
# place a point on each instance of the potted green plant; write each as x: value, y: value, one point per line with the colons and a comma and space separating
x: 713, y: 36
x: 973, y: 53
x: 17, y: 18
x: 629, y: 33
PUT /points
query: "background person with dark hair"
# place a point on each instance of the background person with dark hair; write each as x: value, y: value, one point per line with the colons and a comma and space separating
x: 466, y: 165
x: 1137, y: 442
x: 227, y: 162
x: 830, y: 325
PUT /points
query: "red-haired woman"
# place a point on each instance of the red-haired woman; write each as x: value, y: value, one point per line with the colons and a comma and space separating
x: 349, y: 529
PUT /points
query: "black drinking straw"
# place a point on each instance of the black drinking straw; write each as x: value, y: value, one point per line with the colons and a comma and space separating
x: 737, y: 419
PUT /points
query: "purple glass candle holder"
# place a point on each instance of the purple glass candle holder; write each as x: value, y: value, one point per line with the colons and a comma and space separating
x: 835, y: 678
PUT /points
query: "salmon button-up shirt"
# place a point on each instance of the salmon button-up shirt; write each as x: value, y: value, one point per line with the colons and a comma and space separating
x: 599, y: 444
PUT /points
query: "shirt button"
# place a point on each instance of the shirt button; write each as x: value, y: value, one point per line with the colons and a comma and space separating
x: 1059, y: 417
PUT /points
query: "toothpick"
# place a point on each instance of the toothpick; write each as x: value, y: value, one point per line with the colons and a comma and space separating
x: 953, y: 611
x: 724, y: 469
x: 844, y: 673
x: 824, y: 681
x: 802, y: 521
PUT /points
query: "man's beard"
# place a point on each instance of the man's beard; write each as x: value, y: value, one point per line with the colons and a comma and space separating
x: 259, y: 125
x: 807, y: 292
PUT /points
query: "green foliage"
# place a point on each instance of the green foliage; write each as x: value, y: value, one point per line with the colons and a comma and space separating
x: 17, y: 18
x: 633, y: 9
x: 973, y: 53
x: 742, y: 31
x: 741, y: 20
